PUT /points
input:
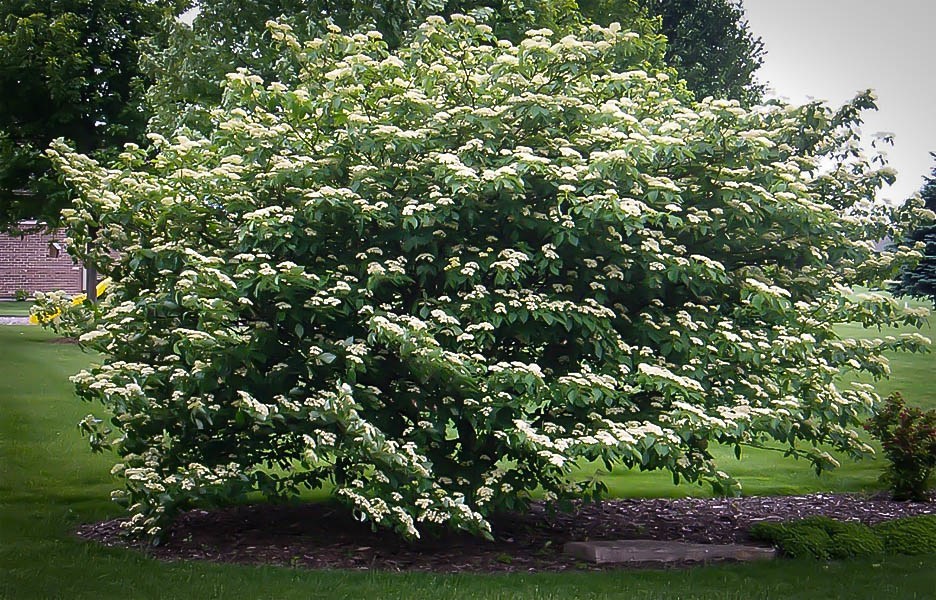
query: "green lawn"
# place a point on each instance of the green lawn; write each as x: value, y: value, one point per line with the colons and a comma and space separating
x: 15, y: 309
x: 49, y: 482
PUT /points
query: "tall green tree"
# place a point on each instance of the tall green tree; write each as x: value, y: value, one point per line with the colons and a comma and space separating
x: 708, y: 41
x: 68, y: 68
x: 921, y: 280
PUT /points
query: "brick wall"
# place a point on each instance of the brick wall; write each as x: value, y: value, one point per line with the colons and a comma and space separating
x: 27, y: 263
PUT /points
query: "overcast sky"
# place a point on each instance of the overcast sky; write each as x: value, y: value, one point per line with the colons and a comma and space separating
x: 831, y: 49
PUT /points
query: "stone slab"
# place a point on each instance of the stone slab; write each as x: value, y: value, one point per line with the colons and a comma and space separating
x: 652, y: 551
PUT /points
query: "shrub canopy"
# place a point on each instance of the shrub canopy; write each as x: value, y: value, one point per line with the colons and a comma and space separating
x: 439, y: 278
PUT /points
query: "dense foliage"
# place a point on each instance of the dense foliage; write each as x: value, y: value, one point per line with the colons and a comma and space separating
x: 68, y: 68
x: 440, y: 277
x: 709, y: 42
x: 908, y: 436
x: 920, y: 280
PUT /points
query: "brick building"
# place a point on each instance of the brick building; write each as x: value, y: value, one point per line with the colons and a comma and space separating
x: 37, y: 262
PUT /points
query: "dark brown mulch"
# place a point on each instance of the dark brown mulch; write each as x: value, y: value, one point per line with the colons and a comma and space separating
x: 325, y: 536
x: 63, y: 340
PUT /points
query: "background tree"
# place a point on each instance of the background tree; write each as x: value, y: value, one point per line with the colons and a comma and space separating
x: 68, y: 68
x: 921, y: 280
x: 709, y: 42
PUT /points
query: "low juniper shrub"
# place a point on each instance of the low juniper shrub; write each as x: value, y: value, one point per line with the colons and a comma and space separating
x: 825, y: 538
x: 796, y: 540
x: 820, y: 537
x: 848, y: 538
x: 910, y: 535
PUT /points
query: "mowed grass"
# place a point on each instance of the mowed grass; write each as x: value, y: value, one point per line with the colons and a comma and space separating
x: 15, y: 309
x: 50, y: 482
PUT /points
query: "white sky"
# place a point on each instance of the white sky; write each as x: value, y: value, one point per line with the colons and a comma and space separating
x: 831, y: 49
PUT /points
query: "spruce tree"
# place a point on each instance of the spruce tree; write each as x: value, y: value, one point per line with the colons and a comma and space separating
x: 921, y: 280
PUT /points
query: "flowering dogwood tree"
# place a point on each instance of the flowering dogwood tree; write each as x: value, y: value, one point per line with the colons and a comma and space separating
x: 439, y: 278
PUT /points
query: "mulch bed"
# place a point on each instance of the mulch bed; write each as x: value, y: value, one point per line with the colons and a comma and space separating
x: 323, y: 536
